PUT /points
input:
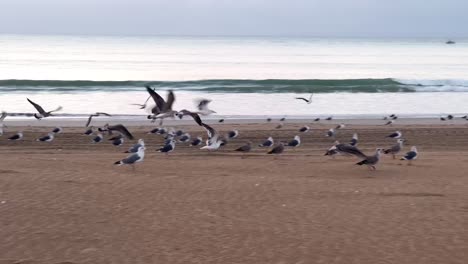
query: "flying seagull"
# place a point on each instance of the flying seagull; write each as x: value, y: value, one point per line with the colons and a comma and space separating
x: 133, y: 158
x: 308, y: 101
x: 17, y: 136
x: 371, y: 161
x: 202, y: 107
x: 120, y: 128
x: 411, y: 155
x: 41, y: 112
x: 163, y: 109
x: 194, y: 115
x: 94, y: 115
x: 277, y: 150
x: 395, y: 149
x: 48, y: 138
x: 214, y: 141
x: 396, y: 135
x: 344, y: 149
x: 134, y: 148
x: 267, y: 143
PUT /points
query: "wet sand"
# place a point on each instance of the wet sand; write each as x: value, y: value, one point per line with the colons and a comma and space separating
x: 65, y: 201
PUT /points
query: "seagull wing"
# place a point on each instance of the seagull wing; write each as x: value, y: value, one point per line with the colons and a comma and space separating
x: 89, y: 120
x: 102, y: 113
x: 3, y: 116
x: 197, y: 118
x: 38, y: 107
x: 170, y: 101
x: 156, y: 97
x: 122, y: 129
x: 302, y: 98
x: 212, y: 133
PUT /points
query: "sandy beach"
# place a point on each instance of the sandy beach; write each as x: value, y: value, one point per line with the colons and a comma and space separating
x: 65, y: 201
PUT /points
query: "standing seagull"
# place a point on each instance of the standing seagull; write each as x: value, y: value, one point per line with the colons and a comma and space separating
x: 308, y: 101
x: 94, y: 115
x: 89, y: 131
x: 245, y: 148
x: 17, y: 136
x: 233, y: 134
x: 168, y: 147
x: 118, y: 141
x: 277, y: 150
x: 267, y: 143
x: 214, y: 141
x: 371, y: 161
x: 184, y: 138
x: 133, y: 158
x: 304, y: 129
x: 411, y: 155
x: 389, y: 123
x: 41, y: 112
x: 134, y: 148
x: 296, y: 142
x: 2, y: 117
x: 48, y: 138
x: 98, y: 138
x: 396, y: 135
x: 331, y: 133
x: 354, y: 140
x: 197, y: 141
x: 395, y: 149
x: 340, y: 126
x: 57, y: 130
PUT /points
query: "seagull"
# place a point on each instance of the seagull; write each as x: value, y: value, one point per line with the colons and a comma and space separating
x: 268, y: 143
x: 164, y: 108
x: 411, y: 155
x: 308, y: 101
x: 282, y: 119
x: 41, y: 112
x: 134, y: 148
x: 17, y: 136
x: 345, y: 149
x: 194, y: 115
x: 329, y: 118
x: 317, y: 119
x: 94, y: 115
x: 185, y: 138
x: 214, y: 141
x: 396, y: 135
x: 154, y: 130
x: 371, y: 161
x: 232, y: 134
x: 221, y: 120
x: 268, y: 119
x: 98, y: 138
x: 89, y: 131
x: 354, y: 140
x: 118, y: 141
x: 48, y: 138
x: 331, y: 133
x: 277, y: 150
x: 120, y: 128
x: 340, y: 126
x: 202, y: 106
x: 162, y: 131
x: 133, y: 158
x: 168, y: 147
x: 197, y: 141
x: 296, y: 142
x: 304, y: 129
x: 389, y: 123
x: 179, y: 133
x: 395, y: 149
x: 57, y: 130
x: 2, y: 117
x: 143, y: 106
x: 280, y: 125
x: 245, y: 148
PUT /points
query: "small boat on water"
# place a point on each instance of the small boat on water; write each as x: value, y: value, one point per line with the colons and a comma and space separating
x: 450, y: 42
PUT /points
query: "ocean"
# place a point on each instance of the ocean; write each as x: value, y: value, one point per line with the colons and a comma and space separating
x: 243, y: 76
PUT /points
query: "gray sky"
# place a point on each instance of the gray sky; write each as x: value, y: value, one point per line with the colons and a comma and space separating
x: 347, y: 18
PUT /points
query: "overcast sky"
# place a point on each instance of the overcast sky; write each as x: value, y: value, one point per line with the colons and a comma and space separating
x: 347, y: 18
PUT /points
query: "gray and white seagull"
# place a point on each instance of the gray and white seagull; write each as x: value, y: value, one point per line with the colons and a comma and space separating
x: 41, y: 113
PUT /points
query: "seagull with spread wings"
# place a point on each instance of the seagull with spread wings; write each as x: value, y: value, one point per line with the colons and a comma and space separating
x: 163, y: 108
x: 119, y: 128
x: 90, y: 118
x: 308, y: 101
x: 41, y: 113
x: 214, y: 141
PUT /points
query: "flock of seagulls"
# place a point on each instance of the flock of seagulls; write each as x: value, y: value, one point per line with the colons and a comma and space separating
x: 161, y: 109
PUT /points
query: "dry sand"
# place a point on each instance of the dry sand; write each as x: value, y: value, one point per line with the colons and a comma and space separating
x: 64, y: 202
